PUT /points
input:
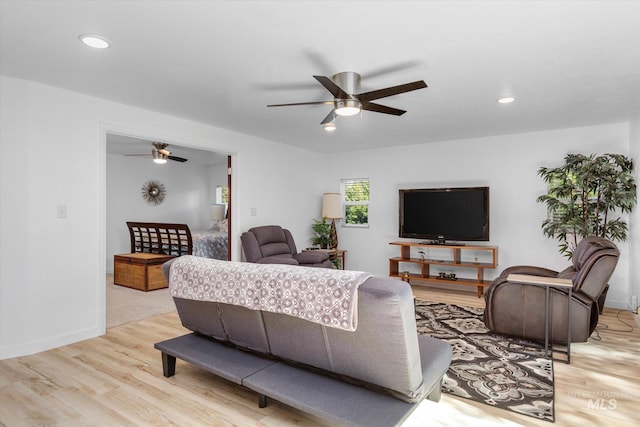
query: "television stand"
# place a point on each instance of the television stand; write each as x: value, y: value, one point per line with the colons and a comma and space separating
x: 442, y: 243
x: 455, y: 259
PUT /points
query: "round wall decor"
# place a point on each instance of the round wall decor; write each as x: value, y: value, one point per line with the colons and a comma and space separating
x: 153, y: 192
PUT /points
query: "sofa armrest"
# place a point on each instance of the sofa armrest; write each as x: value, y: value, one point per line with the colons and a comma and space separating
x: 166, y: 268
x: 529, y: 270
x: 539, y: 280
x: 250, y: 247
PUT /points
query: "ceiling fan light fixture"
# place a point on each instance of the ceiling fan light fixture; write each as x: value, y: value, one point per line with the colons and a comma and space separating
x: 347, y: 107
x: 158, y: 157
x: 94, y: 41
x: 330, y: 127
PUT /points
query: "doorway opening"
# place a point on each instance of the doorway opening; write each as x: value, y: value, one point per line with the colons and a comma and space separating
x: 190, y: 179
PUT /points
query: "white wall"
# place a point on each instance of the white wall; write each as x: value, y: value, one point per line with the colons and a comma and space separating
x: 507, y: 164
x: 52, y: 152
x: 52, y: 146
x: 187, y: 201
x: 634, y: 226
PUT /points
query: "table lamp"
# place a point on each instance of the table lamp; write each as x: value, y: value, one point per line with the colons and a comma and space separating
x: 332, y: 209
x: 217, y: 212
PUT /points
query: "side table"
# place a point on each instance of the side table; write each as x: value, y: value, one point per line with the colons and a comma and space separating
x: 549, y: 282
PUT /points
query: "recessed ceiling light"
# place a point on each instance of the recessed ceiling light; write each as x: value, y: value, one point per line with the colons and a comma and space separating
x: 94, y: 41
x: 506, y: 100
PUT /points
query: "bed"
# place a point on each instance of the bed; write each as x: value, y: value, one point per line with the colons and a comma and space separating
x: 177, y: 240
x: 210, y: 244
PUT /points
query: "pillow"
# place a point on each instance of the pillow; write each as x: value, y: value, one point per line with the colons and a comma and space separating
x: 220, y: 226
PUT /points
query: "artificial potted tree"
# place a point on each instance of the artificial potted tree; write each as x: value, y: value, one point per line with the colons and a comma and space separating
x: 321, y: 233
x: 585, y: 197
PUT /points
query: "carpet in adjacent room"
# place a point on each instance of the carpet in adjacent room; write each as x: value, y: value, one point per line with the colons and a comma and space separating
x: 125, y: 305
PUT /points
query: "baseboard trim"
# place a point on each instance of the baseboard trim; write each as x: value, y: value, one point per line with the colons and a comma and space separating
x: 26, y: 349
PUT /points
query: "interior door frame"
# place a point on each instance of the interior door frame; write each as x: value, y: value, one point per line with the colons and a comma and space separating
x: 229, y: 208
x: 104, y: 129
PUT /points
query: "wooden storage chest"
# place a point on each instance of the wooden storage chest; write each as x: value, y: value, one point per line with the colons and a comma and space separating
x: 140, y: 271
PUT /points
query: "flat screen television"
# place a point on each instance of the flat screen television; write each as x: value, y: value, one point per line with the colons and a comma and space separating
x: 441, y: 214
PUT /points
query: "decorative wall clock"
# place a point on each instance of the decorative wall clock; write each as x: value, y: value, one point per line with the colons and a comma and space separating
x: 153, y: 192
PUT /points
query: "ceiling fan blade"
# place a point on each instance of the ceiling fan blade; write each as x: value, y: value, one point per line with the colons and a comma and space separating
x: 137, y: 155
x: 371, y: 106
x: 302, y: 103
x: 330, y: 117
x: 335, y: 90
x: 390, y: 91
x: 177, y: 159
x: 390, y: 69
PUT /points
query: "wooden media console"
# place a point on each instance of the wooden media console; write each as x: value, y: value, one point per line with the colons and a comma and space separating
x: 458, y: 257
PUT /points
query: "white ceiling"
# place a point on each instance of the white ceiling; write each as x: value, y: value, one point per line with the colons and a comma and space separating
x: 568, y: 63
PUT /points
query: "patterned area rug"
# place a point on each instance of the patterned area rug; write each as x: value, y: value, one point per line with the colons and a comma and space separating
x: 496, y: 370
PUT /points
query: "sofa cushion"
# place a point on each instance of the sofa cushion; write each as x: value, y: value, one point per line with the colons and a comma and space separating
x: 382, y: 351
x: 275, y: 248
x: 269, y: 234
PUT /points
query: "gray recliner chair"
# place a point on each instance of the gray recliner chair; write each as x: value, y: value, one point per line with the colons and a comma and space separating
x: 272, y: 244
x: 518, y: 309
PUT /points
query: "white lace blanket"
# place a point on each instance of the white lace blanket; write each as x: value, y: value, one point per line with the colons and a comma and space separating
x: 321, y: 295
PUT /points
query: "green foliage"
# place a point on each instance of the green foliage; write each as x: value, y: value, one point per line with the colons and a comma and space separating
x: 225, y: 195
x: 583, y: 195
x: 321, y: 233
x: 356, y: 191
x: 357, y: 214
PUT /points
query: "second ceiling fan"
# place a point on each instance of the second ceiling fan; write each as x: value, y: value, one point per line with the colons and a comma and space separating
x: 347, y: 101
x: 160, y: 154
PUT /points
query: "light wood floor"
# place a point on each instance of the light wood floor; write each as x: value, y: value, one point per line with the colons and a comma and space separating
x: 116, y: 380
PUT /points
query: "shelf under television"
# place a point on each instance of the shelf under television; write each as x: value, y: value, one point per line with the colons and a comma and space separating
x: 454, y: 257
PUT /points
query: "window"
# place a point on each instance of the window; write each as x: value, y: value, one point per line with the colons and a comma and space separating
x: 222, y: 195
x: 356, y: 202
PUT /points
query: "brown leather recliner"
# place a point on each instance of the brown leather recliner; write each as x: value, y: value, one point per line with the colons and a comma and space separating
x: 272, y: 244
x: 518, y: 309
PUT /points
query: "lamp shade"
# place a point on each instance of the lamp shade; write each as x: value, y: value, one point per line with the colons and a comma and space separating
x: 217, y: 212
x: 332, y: 205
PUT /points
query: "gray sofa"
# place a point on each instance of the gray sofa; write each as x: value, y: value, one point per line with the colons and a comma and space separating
x: 373, y: 376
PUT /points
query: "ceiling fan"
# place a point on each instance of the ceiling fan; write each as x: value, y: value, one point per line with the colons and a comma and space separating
x: 160, y: 154
x: 347, y: 101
